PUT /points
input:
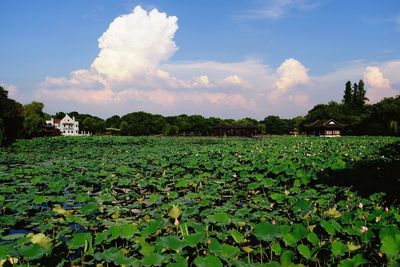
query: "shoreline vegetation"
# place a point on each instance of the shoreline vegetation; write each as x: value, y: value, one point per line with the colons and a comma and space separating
x: 19, y: 121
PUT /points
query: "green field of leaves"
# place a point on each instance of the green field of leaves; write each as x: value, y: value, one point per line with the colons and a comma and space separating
x: 158, y: 201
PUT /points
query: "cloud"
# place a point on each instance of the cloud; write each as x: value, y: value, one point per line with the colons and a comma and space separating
x: 133, y: 71
x: 390, y: 21
x: 201, y: 81
x: 378, y: 86
x: 135, y: 44
x: 290, y: 74
x: 301, y: 100
x: 234, y: 80
x: 12, y: 90
x: 276, y: 9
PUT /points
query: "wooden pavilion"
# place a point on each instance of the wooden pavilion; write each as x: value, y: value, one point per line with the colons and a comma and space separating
x: 325, y: 128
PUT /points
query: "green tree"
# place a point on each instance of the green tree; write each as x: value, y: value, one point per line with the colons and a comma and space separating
x: 169, y: 129
x: 298, y: 122
x: 90, y: 123
x: 276, y: 125
x: 348, y: 94
x: 199, y: 125
x: 113, y: 122
x: 59, y: 115
x: 34, y: 119
x: 383, y: 118
x: 10, y: 118
x: 332, y: 110
x: 125, y: 128
x: 183, y: 123
x: 361, y: 95
x: 142, y: 123
x: 354, y: 100
x: 247, y: 121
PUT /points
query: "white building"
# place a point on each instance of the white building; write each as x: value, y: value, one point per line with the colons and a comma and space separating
x: 67, y: 125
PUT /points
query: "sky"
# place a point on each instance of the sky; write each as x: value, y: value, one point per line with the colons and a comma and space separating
x: 228, y: 59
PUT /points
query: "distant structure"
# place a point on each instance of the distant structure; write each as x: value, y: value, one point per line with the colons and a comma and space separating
x: 67, y: 125
x: 325, y: 128
x: 113, y: 131
x: 235, y: 130
x: 294, y: 132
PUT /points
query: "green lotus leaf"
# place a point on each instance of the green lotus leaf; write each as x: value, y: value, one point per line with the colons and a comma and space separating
x: 312, y: 238
x: 33, y: 251
x: 123, y: 231
x: 328, y: 227
x: 391, y: 245
x: 220, y: 217
x: 276, y: 248
x: 304, y: 251
x: 286, y: 258
x: 193, y: 239
x: 207, y: 261
x: 171, y: 242
x: 338, y: 249
x: 237, y: 237
x: 153, y: 259
x: 81, y: 240
x: 266, y: 231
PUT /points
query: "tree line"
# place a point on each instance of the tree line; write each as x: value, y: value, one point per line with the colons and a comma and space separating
x: 382, y: 118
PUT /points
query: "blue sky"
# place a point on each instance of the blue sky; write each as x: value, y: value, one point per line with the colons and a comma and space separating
x: 220, y: 58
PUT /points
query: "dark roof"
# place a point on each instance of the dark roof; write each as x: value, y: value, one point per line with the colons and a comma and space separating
x: 235, y: 127
x: 331, y: 123
x: 49, y: 126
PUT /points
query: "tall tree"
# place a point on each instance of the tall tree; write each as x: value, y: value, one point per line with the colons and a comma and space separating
x: 348, y: 94
x: 361, y: 98
x: 34, y: 119
x: 355, y: 94
x: 10, y: 118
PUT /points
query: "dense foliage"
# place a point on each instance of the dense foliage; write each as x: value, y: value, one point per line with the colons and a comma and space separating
x: 34, y: 119
x: 10, y: 118
x: 151, y: 201
x: 382, y: 118
x: 18, y: 121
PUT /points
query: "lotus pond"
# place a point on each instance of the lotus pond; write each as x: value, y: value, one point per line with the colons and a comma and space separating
x: 159, y: 201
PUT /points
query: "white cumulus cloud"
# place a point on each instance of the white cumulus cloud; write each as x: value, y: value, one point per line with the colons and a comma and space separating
x: 136, y: 43
x: 291, y: 73
x: 378, y: 86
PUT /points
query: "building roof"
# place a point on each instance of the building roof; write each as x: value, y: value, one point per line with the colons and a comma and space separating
x: 220, y: 126
x: 56, y: 121
x: 331, y: 123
